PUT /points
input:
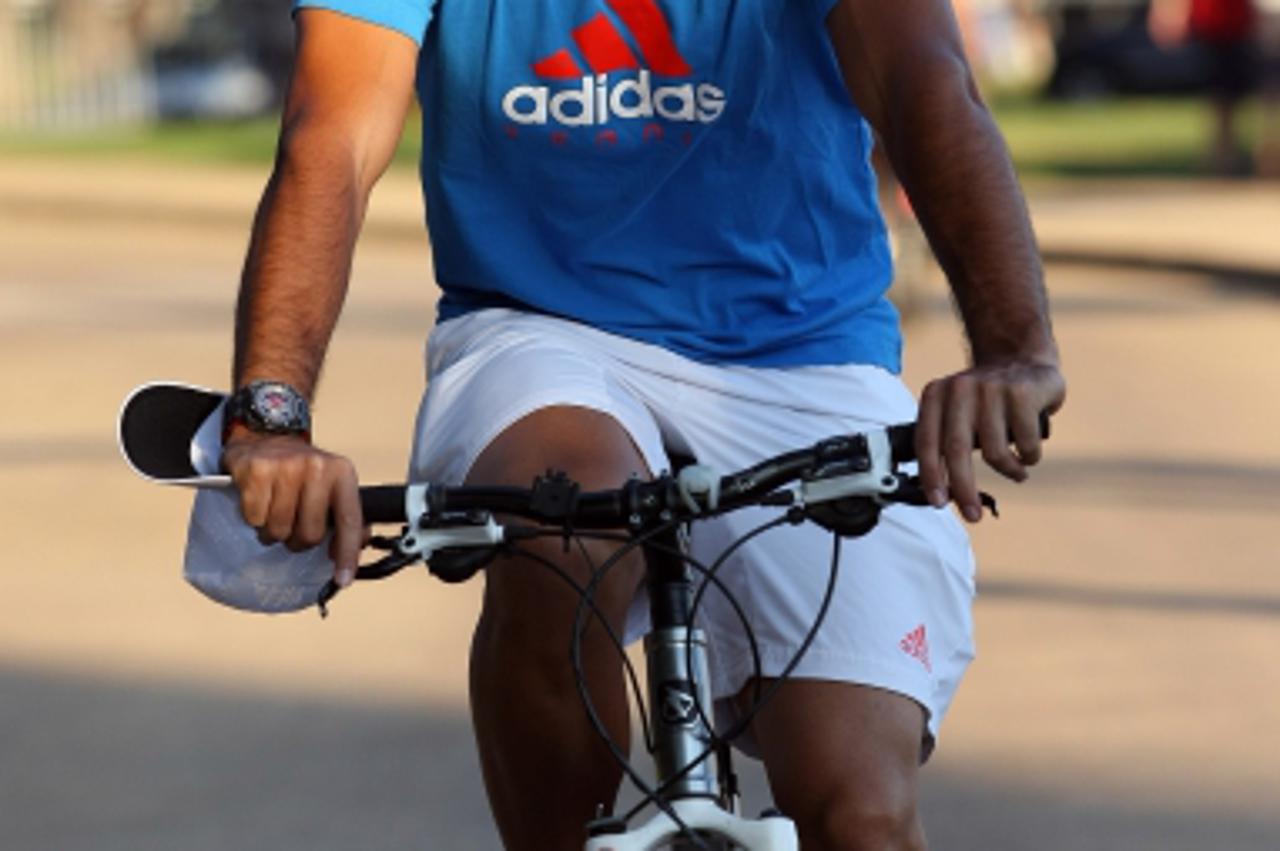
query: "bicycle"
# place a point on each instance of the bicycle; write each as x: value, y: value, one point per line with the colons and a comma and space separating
x: 841, y: 483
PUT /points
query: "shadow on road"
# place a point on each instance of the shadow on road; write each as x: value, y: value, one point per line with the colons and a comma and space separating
x: 975, y: 810
x: 1181, y: 602
x: 109, y: 765
x: 104, y: 765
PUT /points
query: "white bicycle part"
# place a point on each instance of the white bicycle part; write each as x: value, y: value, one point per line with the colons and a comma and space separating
x: 774, y: 833
x: 877, y: 480
x: 423, y: 543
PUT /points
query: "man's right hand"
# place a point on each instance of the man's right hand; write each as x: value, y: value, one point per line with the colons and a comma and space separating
x: 289, y: 489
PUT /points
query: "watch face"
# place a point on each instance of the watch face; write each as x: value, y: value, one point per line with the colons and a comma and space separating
x: 278, y: 406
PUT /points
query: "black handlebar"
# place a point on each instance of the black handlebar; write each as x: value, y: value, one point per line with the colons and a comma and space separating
x: 382, y: 503
x: 558, y: 500
x: 902, y: 439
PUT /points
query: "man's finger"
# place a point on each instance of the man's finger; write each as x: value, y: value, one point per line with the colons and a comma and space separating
x: 958, y: 433
x: 348, y: 527
x: 255, y: 495
x: 993, y: 433
x: 1024, y: 426
x: 282, y: 515
x: 928, y: 444
x: 313, y: 506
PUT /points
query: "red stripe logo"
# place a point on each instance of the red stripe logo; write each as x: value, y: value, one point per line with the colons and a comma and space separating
x: 916, y: 645
x: 649, y: 26
x: 558, y: 66
x: 603, y: 47
x: 605, y: 50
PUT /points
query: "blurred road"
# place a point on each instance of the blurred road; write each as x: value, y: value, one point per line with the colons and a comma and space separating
x: 1128, y: 684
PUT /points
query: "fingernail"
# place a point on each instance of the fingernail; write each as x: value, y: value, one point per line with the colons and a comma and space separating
x: 346, y: 577
x: 937, y: 497
x: 972, y: 513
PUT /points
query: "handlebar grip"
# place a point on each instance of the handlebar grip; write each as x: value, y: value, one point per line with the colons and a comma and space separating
x: 382, y: 503
x: 902, y: 442
x: 902, y: 438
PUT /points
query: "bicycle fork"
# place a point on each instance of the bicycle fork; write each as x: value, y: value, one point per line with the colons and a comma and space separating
x: 678, y: 689
x: 679, y: 680
x: 702, y: 795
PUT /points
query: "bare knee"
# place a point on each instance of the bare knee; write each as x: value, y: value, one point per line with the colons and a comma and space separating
x: 528, y: 604
x: 590, y: 446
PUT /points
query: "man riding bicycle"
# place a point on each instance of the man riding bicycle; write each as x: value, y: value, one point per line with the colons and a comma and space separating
x: 655, y: 230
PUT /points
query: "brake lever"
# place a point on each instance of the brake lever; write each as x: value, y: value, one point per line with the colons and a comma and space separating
x: 388, y: 565
x: 382, y: 542
x: 909, y: 492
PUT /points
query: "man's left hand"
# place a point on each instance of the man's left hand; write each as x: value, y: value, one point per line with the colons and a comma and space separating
x: 994, y: 408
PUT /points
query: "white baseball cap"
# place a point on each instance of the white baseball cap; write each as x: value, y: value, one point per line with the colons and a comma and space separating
x: 171, y: 433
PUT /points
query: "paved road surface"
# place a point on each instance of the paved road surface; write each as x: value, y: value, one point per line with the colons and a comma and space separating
x: 1127, y: 691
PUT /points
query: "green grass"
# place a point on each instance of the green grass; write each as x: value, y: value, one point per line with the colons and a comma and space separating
x: 1140, y: 137
x: 1113, y: 138
x: 245, y: 141
x: 251, y: 142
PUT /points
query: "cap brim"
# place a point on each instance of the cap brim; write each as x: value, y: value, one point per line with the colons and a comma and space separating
x: 171, y: 432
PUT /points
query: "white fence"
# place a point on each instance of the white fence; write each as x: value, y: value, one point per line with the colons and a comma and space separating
x: 74, y: 64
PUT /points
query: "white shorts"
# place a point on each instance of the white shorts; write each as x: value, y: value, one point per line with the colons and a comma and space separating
x: 901, y: 616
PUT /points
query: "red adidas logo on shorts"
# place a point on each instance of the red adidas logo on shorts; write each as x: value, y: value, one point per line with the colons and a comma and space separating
x: 916, y: 645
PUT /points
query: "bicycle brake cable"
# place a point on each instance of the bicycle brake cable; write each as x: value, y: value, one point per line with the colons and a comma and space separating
x: 740, y: 726
x: 586, y: 599
x: 616, y: 640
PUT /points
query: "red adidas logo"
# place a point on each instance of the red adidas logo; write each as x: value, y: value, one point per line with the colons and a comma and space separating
x: 916, y: 645
x: 606, y: 51
x: 603, y: 48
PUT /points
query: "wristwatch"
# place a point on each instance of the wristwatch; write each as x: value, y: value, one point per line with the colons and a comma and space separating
x: 268, y: 407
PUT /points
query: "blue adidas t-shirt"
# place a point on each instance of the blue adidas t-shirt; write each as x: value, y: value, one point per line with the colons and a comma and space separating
x: 690, y: 173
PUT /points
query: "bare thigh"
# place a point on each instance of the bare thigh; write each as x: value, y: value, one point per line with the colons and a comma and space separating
x: 545, y: 768
x: 843, y: 761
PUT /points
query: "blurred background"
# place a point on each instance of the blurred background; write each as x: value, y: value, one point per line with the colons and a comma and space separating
x: 1127, y: 689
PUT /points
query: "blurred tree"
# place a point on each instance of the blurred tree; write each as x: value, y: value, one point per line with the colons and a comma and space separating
x: 1267, y: 153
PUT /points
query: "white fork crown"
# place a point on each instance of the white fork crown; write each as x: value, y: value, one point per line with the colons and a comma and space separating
x: 771, y: 833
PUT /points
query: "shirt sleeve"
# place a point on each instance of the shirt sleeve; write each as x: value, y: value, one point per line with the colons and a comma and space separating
x: 410, y: 17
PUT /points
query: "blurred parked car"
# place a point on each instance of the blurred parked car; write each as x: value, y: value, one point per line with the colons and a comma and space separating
x: 1103, y: 48
x: 231, y: 60
x: 222, y: 89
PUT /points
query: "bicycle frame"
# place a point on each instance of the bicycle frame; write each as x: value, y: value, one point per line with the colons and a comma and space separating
x: 679, y: 695
x: 840, y: 483
x: 690, y: 797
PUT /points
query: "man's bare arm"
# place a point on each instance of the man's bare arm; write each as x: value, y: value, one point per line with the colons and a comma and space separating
x: 905, y: 68
x: 351, y: 89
